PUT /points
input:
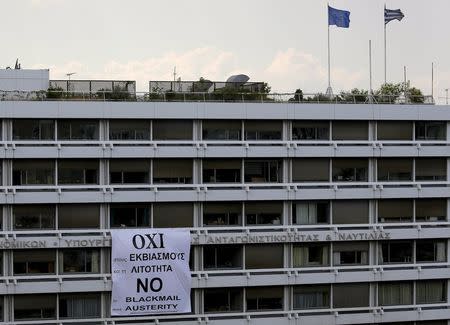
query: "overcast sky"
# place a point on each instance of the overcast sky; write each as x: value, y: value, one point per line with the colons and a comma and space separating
x: 282, y: 42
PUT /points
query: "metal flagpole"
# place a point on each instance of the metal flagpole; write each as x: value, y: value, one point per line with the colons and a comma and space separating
x: 329, y: 89
x: 384, y: 21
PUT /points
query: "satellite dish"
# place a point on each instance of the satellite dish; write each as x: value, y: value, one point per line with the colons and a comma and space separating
x: 238, y: 79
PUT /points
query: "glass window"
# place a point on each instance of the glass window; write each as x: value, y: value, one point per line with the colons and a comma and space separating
x: 431, y: 291
x: 311, y: 170
x: 222, y: 257
x: 33, y: 172
x: 350, y: 130
x: 350, y: 295
x: 428, y: 210
x: 130, y: 215
x: 351, y: 253
x: 264, y: 298
x: 221, y: 130
x: 350, y: 211
x: 173, y: 215
x: 395, y: 293
x: 33, y: 129
x: 263, y: 213
x: 395, y: 210
x: 350, y: 170
x: 223, y: 300
x: 40, y: 261
x: 172, y: 130
x: 129, y: 130
x: 396, y: 252
x: 85, y: 260
x: 222, y: 214
x: 129, y: 171
x: 76, y: 305
x: 175, y: 171
x: 431, y: 169
x: 75, y: 216
x: 395, y: 130
x: 310, y: 130
x: 263, y: 171
x: 431, y: 130
x: 431, y: 251
x: 311, y: 296
x: 395, y: 169
x: 78, y: 171
x: 78, y: 130
x: 311, y: 255
x: 273, y: 256
x: 222, y: 171
x: 29, y: 217
x: 28, y: 307
x: 263, y: 130
x: 311, y: 212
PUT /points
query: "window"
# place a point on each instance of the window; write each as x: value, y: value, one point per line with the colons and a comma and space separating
x: 311, y: 296
x: 222, y: 214
x: 273, y: 256
x: 311, y: 255
x: 85, y: 260
x: 76, y: 216
x: 175, y: 171
x: 395, y: 293
x: 222, y: 257
x: 28, y: 307
x: 431, y: 169
x: 129, y: 130
x: 28, y: 262
x: 395, y: 169
x: 172, y: 215
x: 350, y: 170
x: 428, y: 210
x: 350, y: 295
x: 172, y: 130
x: 350, y: 211
x: 263, y: 213
x: 395, y: 210
x: 431, y: 291
x: 221, y: 130
x: 223, y: 300
x: 350, y: 130
x: 263, y: 130
x: 129, y: 171
x: 264, y: 298
x: 33, y: 172
x: 351, y: 253
x: 396, y: 252
x: 310, y: 130
x: 222, y: 171
x: 130, y: 215
x: 33, y: 130
x: 431, y: 251
x: 79, y: 171
x: 263, y: 171
x: 78, y: 130
x: 29, y: 217
x: 86, y: 305
x: 427, y: 130
x: 395, y: 130
x: 311, y: 212
x: 311, y: 170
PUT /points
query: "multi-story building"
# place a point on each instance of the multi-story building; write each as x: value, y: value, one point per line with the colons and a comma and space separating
x: 300, y: 212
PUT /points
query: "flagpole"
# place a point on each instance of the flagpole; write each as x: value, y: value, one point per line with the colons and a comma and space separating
x: 384, y: 21
x: 329, y: 89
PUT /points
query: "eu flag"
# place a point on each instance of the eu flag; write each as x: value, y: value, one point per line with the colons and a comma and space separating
x: 340, y: 18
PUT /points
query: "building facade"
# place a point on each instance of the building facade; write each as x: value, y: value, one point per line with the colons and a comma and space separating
x: 300, y: 213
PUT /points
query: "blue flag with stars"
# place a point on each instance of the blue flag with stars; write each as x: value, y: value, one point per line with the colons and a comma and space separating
x: 339, y: 18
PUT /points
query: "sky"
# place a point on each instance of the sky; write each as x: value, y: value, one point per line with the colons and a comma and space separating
x: 281, y: 42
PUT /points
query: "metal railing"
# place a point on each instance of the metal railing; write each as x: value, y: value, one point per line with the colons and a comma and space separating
x: 245, y: 97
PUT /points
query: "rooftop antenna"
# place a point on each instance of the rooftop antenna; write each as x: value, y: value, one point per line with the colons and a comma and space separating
x: 17, y: 65
x: 70, y: 74
x: 174, y: 74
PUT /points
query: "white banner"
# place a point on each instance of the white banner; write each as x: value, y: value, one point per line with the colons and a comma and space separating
x: 150, y: 271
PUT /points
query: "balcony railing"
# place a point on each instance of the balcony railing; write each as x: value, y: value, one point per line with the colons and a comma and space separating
x: 238, y: 97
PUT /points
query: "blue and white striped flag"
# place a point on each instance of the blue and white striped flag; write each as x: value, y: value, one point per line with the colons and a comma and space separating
x: 390, y: 15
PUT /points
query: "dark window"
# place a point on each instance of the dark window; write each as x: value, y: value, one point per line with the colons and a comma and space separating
x: 28, y: 217
x: 223, y: 300
x: 40, y: 261
x: 175, y: 171
x: 33, y: 172
x: 273, y: 256
x: 172, y: 130
x: 28, y: 307
x: 222, y: 214
x: 431, y: 210
x: 395, y: 130
x: 311, y: 255
x: 350, y: 170
x: 311, y: 212
x: 311, y: 297
x: 266, y: 171
x: 395, y: 210
x: 431, y: 291
x: 350, y: 253
x: 396, y: 252
x: 395, y: 293
x: 222, y: 171
x: 80, y: 260
x: 126, y: 171
x: 33, y: 130
x: 78, y: 130
x: 431, y: 169
x: 75, y: 216
x: 264, y: 298
x: 263, y: 213
x: 263, y: 130
x: 83, y: 171
x: 431, y: 130
x: 87, y: 305
x: 130, y: 215
x: 221, y: 130
x: 431, y: 251
x: 350, y: 211
x: 395, y: 169
x: 311, y: 170
x: 172, y: 215
x: 222, y: 257
x: 350, y: 130
x: 351, y: 295
x: 129, y: 130
x: 310, y: 130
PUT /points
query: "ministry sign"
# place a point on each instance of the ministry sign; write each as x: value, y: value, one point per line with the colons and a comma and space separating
x: 150, y: 271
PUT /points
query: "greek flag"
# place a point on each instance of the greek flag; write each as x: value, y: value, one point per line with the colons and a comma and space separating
x: 340, y: 18
x: 390, y: 15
